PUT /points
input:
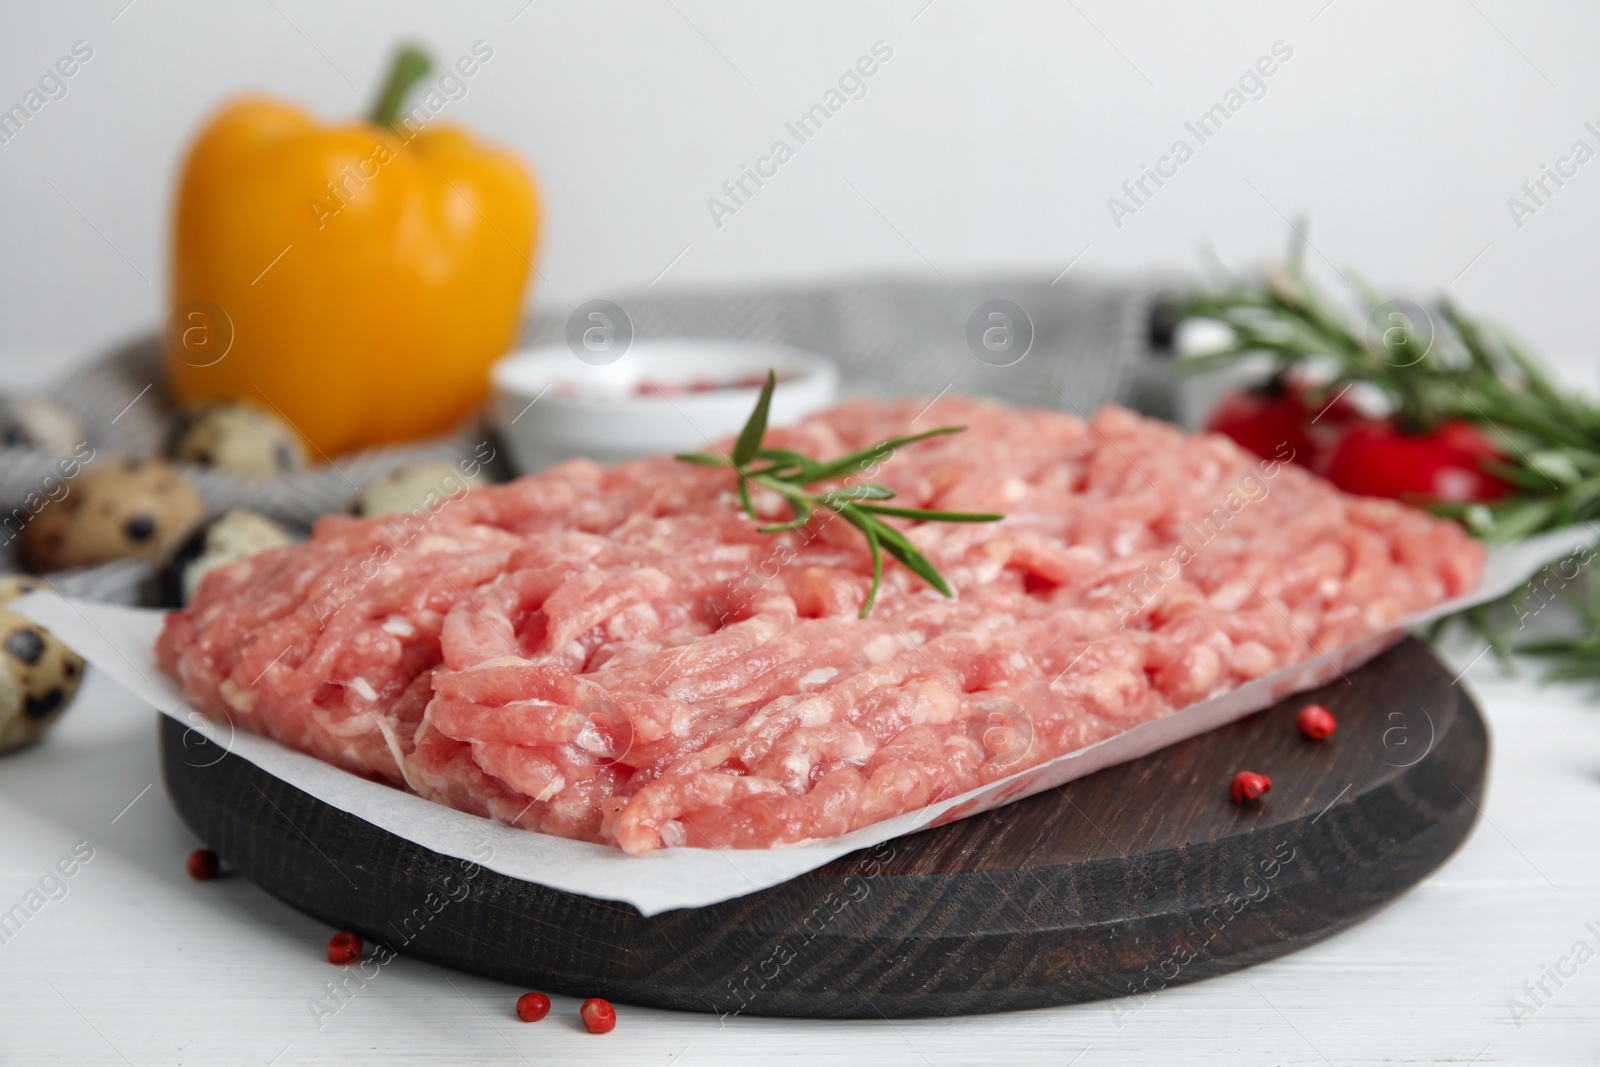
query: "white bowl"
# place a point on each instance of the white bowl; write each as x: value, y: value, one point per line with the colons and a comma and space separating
x: 551, y: 406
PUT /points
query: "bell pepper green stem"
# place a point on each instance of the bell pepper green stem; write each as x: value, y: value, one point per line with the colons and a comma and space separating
x: 410, y: 66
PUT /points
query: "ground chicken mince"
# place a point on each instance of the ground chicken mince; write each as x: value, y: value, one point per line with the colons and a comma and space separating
x: 617, y: 655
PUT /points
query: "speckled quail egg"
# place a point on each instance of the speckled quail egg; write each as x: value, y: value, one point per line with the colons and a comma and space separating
x: 115, y: 510
x: 231, y: 536
x: 427, y: 486
x: 236, y: 437
x: 38, y: 422
x: 38, y: 674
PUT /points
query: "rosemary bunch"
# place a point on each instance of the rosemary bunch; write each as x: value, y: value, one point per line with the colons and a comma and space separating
x: 1447, y: 366
x: 792, y: 475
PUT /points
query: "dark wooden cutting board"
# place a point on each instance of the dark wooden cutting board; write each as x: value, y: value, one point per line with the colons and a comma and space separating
x: 1140, y: 876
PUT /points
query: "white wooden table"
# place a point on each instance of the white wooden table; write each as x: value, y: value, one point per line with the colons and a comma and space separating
x: 137, y: 964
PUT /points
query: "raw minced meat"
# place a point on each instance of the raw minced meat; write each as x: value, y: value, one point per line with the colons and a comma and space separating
x: 618, y: 655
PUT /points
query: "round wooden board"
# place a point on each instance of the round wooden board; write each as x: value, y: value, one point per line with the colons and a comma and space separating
x: 1140, y: 876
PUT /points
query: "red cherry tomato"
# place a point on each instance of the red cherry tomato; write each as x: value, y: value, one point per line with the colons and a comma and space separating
x: 1378, y: 459
x: 1281, y: 421
x: 1272, y: 427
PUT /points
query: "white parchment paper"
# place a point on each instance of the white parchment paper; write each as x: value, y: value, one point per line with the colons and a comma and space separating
x: 120, y: 642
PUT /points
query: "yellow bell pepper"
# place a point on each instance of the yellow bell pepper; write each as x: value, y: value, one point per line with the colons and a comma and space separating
x: 360, y: 279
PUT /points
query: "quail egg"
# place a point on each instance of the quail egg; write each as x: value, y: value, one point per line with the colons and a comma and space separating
x: 425, y: 486
x: 38, y: 422
x: 38, y: 674
x: 119, y: 509
x: 236, y: 437
x: 231, y: 536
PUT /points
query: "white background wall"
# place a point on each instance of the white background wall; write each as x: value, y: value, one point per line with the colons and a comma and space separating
x: 991, y: 139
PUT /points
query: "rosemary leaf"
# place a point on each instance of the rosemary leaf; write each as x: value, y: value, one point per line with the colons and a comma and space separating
x: 755, y: 428
x: 876, y: 549
x: 703, y: 459
x: 900, y: 547
x: 744, y: 495
x: 932, y: 516
x: 856, y: 462
x: 853, y: 494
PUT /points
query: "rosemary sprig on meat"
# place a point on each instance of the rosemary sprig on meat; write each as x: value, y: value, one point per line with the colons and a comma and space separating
x: 792, y: 475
